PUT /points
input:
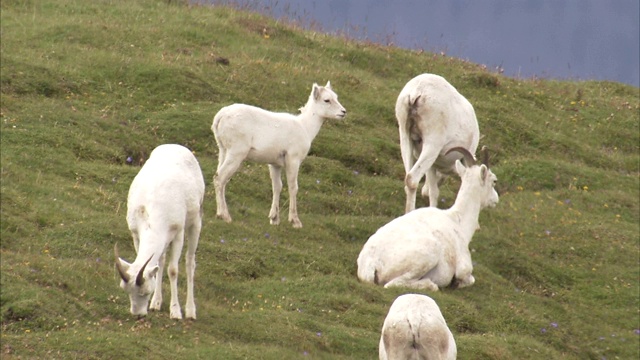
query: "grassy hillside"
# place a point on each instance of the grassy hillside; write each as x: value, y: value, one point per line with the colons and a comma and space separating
x: 85, y: 85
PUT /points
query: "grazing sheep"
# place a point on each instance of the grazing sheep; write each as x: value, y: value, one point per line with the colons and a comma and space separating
x: 429, y: 247
x: 278, y: 139
x: 433, y: 118
x: 415, y: 329
x: 164, y: 205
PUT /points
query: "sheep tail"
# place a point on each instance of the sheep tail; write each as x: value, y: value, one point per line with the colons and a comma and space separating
x: 216, y: 123
x: 403, y: 111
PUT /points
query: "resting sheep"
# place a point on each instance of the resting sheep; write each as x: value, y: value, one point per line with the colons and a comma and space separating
x: 429, y: 247
x: 432, y: 118
x: 415, y: 329
x: 278, y: 139
x: 164, y: 206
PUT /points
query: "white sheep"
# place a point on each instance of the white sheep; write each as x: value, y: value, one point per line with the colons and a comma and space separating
x: 432, y: 118
x: 415, y: 329
x: 278, y: 139
x: 429, y: 247
x: 164, y: 206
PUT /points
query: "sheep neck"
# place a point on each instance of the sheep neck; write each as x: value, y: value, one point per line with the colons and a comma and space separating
x: 466, y: 210
x: 311, y: 121
x: 148, y: 248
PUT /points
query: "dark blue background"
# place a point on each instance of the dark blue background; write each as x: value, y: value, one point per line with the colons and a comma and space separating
x: 566, y: 39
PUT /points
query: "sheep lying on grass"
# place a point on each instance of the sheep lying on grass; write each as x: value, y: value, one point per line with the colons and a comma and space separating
x: 278, y: 139
x: 164, y: 205
x: 429, y: 247
x: 415, y: 329
x: 433, y: 118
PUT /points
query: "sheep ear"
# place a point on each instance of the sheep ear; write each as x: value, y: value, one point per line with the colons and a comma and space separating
x: 153, y: 271
x: 328, y: 86
x: 460, y: 168
x: 316, y: 91
x: 483, y: 172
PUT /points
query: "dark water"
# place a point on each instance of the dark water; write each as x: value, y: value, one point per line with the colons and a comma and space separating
x: 565, y: 39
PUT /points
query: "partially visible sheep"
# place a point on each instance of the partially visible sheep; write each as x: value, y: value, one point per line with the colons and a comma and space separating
x: 164, y: 206
x: 433, y: 118
x: 415, y: 329
x: 428, y: 248
x: 278, y: 139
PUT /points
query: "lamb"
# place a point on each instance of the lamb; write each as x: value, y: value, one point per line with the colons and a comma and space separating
x: 428, y: 248
x: 415, y: 329
x: 164, y: 206
x: 433, y: 118
x: 278, y: 139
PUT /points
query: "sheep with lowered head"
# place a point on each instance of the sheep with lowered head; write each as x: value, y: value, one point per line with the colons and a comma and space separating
x: 415, y: 329
x: 432, y: 118
x: 163, y: 207
x: 428, y: 248
x: 278, y: 139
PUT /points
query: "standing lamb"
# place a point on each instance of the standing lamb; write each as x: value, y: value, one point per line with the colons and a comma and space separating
x: 415, y: 329
x: 433, y: 118
x: 278, y: 139
x: 429, y: 247
x: 164, y: 205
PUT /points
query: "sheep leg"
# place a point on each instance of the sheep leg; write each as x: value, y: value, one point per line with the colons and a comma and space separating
x: 431, y: 183
x: 292, y: 182
x: 156, y: 300
x: 276, y: 184
x: 176, y: 250
x: 136, y: 240
x: 409, y: 281
x: 458, y: 283
x: 193, y: 234
x: 423, y: 164
x: 406, y: 149
x: 220, y: 180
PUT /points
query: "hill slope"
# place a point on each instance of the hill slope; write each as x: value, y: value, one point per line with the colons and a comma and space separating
x: 89, y: 88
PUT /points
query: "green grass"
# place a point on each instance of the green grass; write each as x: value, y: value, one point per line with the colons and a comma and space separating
x: 86, y: 84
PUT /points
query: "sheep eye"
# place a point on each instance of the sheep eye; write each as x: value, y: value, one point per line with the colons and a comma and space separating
x: 327, y: 101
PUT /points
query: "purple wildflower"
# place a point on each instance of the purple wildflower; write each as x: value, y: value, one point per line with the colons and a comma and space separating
x: 543, y: 330
x: 319, y: 333
x: 129, y: 160
x: 554, y: 324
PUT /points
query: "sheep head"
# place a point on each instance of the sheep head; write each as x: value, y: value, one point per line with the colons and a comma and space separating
x: 324, y: 102
x: 142, y: 288
x: 489, y: 196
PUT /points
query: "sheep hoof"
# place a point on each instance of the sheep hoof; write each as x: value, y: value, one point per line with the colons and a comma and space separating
x: 225, y: 218
x: 176, y: 313
x: 191, y: 314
